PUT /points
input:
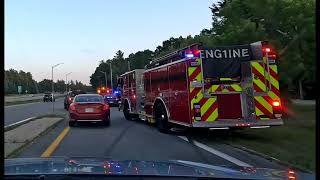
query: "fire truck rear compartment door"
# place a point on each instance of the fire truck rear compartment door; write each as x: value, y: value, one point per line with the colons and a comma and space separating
x: 229, y: 106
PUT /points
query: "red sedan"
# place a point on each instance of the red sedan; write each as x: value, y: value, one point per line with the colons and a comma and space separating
x: 90, y: 108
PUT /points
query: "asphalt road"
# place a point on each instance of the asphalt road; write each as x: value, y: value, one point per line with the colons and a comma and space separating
x: 134, y: 140
x: 20, y: 112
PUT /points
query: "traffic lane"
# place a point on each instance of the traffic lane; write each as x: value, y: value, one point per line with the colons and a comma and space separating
x: 130, y: 140
x: 20, y: 112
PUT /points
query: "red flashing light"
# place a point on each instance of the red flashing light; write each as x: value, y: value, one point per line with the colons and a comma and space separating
x: 268, y: 49
x: 197, y: 110
x: 134, y: 96
x: 276, y: 104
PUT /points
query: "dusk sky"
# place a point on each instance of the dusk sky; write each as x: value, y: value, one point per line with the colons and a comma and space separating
x: 79, y: 33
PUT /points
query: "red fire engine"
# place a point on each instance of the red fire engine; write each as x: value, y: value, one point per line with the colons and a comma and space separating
x: 217, y: 88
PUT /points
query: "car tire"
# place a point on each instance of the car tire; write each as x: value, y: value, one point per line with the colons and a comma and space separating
x: 162, y: 119
x: 106, y: 123
x: 126, y: 112
x: 72, y: 123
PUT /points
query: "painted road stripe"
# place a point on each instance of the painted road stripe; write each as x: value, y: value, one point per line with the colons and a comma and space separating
x: 19, y: 122
x: 55, y: 143
x: 218, y: 153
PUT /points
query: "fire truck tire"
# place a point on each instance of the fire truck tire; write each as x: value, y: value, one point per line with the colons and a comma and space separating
x: 126, y: 112
x: 162, y: 118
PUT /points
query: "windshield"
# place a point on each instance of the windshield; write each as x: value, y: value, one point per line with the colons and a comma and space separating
x: 209, y: 84
x: 88, y: 99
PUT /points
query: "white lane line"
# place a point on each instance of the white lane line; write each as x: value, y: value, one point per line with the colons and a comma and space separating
x: 19, y: 122
x: 217, y: 153
x: 184, y: 138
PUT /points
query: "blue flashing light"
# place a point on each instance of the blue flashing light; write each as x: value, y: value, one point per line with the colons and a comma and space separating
x: 189, y: 55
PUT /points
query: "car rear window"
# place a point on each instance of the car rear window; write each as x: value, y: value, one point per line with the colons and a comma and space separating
x: 73, y: 94
x: 88, y: 99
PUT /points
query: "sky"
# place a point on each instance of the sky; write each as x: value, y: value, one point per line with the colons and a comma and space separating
x: 80, y: 33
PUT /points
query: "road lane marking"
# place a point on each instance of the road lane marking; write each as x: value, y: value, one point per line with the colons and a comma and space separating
x: 55, y: 143
x: 217, y: 153
x: 19, y: 122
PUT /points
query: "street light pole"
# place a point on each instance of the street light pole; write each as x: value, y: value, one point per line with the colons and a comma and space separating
x: 105, y: 76
x: 67, y: 81
x: 111, y: 75
x: 52, y: 85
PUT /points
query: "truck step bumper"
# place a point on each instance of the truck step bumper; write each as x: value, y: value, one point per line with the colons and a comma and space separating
x: 222, y: 123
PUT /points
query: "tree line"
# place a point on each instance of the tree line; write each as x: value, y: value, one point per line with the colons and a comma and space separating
x: 288, y: 25
x: 14, y: 78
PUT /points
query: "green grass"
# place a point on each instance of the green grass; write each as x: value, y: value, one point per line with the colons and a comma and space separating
x: 293, y: 143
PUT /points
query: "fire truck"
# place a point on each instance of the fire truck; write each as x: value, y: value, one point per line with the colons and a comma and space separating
x: 224, y: 87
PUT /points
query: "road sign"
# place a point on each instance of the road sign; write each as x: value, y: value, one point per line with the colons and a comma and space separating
x: 19, y: 89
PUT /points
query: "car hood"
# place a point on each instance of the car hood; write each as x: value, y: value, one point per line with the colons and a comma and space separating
x: 83, y: 165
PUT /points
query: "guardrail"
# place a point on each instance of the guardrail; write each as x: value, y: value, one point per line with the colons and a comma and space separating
x: 26, y: 98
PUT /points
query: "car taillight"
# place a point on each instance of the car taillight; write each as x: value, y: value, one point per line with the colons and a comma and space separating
x: 72, y: 107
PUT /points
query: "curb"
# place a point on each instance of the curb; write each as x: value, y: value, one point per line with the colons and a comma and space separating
x: 17, y: 151
x: 269, y: 157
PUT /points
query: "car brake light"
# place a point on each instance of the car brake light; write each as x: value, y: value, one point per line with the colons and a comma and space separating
x: 276, y: 104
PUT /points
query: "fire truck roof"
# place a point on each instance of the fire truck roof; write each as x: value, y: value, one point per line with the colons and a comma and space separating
x: 163, y: 59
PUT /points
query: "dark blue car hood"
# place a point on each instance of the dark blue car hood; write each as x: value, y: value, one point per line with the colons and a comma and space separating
x: 76, y: 165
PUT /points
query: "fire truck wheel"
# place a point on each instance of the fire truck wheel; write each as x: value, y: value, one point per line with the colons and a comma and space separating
x: 126, y: 111
x: 162, y: 119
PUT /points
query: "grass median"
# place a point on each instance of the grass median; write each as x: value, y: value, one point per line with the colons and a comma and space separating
x: 293, y: 143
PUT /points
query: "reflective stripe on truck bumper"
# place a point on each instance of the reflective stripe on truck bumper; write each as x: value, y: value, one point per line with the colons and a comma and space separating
x: 238, y: 123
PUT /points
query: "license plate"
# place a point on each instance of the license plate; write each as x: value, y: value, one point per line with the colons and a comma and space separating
x: 111, y: 101
x: 88, y: 110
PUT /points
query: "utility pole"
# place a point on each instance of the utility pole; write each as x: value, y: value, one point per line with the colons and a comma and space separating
x: 52, y: 85
x: 105, y: 76
x: 129, y: 65
x: 67, y: 81
x: 111, y: 76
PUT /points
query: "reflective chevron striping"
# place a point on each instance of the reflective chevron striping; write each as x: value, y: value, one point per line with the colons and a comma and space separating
x: 206, y: 105
x: 236, y: 88
x: 261, y: 100
x: 194, y: 73
x: 210, y: 112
